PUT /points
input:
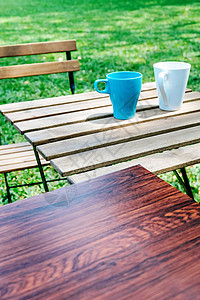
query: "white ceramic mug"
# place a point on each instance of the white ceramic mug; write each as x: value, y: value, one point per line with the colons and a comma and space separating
x: 171, y: 81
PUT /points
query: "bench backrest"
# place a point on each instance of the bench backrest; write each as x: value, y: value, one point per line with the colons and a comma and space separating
x: 43, y: 68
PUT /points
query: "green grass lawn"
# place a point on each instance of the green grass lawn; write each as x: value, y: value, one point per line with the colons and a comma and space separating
x: 111, y: 36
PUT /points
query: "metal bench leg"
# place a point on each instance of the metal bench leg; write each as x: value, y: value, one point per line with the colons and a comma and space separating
x: 184, y: 182
x: 41, y: 170
x: 71, y: 75
x: 7, y: 188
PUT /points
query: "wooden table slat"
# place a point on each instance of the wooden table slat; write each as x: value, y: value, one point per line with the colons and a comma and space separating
x: 48, y: 102
x: 43, y: 112
x: 148, y: 88
x: 80, y: 129
x: 156, y: 163
x: 118, y: 135
x: 93, y: 114
x: 57, y: 110
x: 46, y: 111
x: 88, y: 160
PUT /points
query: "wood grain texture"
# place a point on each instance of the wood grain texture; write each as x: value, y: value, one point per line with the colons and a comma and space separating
x: 148, y: 90
x: 12, y: 146
x: 79, y: 129
x: 24, y: 111
x: 126, y: 235
x: 48, y: 102
x: 101, y: 157
x: 39, y: 69
x: 18, y: 164
x: 147, y: 111
x: 156, y: 163
x: 37, y: 48
x: 15, y: 157
x: 118, y: 135
x: 149, y: 101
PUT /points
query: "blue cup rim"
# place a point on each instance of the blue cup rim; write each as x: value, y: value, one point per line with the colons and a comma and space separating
x: 135, y: 75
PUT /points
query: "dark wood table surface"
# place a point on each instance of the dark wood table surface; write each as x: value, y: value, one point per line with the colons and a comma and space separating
x: 125, y: 235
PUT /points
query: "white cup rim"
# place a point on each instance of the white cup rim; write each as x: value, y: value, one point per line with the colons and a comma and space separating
x: 172, y: 65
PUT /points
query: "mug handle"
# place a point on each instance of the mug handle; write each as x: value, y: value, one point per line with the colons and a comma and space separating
x: 107, y: 90
x: 163, y: 76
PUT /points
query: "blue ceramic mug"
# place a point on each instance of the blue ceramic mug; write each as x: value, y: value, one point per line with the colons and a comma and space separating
x: 124, y: 90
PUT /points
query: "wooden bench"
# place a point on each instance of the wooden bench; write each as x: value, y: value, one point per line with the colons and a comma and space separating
x: 21, y: 156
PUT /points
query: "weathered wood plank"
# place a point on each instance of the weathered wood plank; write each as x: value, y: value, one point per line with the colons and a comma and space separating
x: 29, y: 164
x: 79, y: 106
x: 10, y: 146
x: 11, y: 159
x: 5, y: 159
x: 37, y: 48
x: 39, y: 69
x: 103, y: 114
x: 15, y: 157
x: 157, y: 163
x: 79, y: 129
x: 54, y: 101
x: 101, y: 157
x: 56, y: 110
x: 117, y: 135
x: 15, y: 150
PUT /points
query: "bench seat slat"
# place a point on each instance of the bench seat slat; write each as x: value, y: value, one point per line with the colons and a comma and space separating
x: 17, y: 145
x: 157, y: 163
x: 20, y: 158
x: 20, y: 166
x: 13, y: 156
x: 88, y: 160
x: 6, y: 158
x: 15, y: 150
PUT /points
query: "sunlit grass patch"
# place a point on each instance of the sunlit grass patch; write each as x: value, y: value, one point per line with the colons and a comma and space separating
x: 118, y: 35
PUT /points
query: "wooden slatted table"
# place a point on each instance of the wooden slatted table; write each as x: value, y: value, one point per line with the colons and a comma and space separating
x: 80, y: 137
x: 125, y: 235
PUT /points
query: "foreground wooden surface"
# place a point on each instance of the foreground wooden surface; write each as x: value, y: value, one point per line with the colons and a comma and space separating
x: 126, y: 235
